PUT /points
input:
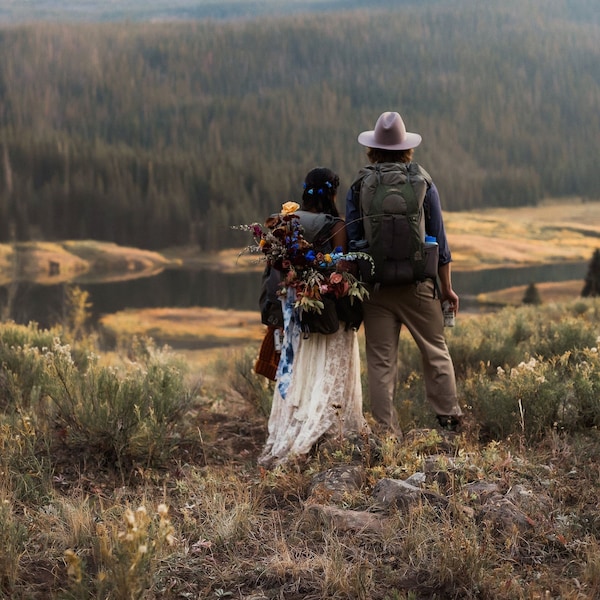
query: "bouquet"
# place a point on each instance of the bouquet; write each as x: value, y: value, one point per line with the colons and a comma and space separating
x: 312, y: 274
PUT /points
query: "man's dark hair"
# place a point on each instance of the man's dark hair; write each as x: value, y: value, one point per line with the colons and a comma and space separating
x: 379, y: 155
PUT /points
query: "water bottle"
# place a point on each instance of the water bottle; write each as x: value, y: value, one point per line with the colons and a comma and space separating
x: 449, y: 315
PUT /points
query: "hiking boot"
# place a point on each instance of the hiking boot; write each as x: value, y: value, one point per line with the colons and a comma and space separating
x: 448, y: 422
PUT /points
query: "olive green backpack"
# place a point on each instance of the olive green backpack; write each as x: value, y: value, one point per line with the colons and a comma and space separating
x: 390, y: 200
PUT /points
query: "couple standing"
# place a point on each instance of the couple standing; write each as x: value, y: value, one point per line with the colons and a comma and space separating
x: 321, y: 395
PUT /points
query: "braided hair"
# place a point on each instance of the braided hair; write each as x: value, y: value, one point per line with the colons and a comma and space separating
x: 320, y: 188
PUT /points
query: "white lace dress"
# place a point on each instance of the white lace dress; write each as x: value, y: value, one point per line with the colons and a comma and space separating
x: 318, y: 391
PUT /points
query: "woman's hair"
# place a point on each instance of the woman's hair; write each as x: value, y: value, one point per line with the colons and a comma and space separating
x: 379, y: 155
x: 320, y: 188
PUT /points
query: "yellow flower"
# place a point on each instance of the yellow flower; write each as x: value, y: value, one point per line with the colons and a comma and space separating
x: 327, y: 258
x: 262, y: 243
x: 289, y: 207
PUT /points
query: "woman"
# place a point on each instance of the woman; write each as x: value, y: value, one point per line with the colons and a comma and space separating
x: 318, y: 391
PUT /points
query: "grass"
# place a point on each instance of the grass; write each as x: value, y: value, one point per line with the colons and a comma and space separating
x: 56, y: 262
x: 121, y: 479
x: 504, y: 237
x: 132, y: 474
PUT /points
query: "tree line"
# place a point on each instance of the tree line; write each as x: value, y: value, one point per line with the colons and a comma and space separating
x: 162, y: 134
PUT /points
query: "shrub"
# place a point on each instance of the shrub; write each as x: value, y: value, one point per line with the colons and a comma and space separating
x: 519, y: 370
x: 13, y: 535
x: 118, y: 415
x: 23, y: 377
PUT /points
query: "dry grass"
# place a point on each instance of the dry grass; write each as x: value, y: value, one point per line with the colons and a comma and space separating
x: 550, y: 232
x: 552, y: 291
x: 72, y: 528
x: 188, y: 327
x: 85, y: 259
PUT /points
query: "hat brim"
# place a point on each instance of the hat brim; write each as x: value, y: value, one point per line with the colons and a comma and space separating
x: 367, y: 138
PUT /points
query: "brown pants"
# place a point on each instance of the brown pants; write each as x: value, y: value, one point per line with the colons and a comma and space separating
x: 386, y: 310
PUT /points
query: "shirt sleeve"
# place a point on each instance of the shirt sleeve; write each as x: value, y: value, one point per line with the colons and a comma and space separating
x: 354, y: 225
x: 434, y: 223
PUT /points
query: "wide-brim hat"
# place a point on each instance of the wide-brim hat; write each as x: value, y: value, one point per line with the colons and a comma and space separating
x: 389, y: 134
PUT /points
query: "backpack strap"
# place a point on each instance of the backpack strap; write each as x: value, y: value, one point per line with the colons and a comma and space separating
x: 415, y: 212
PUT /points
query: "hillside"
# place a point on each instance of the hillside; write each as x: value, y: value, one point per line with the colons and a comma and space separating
x: 159, y: 10
x: 153, y: 134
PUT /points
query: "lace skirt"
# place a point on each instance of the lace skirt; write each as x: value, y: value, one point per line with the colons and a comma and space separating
x: 318, y: 392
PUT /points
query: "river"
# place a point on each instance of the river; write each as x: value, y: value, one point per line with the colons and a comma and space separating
x: 44, y: 304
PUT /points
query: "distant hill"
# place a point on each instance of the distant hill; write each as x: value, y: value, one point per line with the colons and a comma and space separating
x: 163, y: 10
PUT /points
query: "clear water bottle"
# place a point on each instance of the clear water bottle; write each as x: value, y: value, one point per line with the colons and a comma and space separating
x: 449, y: 314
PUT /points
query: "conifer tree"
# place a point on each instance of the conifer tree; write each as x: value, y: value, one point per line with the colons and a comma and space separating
x: 531, y: 296
x: 592, y: 279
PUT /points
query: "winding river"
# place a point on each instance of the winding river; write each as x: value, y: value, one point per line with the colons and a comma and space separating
x: 185, y: 288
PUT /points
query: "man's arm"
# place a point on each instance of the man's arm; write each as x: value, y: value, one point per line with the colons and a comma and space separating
x: 447, y: 293
x: 434, y: 225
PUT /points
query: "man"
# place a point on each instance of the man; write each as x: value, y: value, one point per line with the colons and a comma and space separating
x: 415, y: 304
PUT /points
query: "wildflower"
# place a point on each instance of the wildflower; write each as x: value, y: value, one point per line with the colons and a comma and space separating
x: 289, y: 208
x: 73, y: 565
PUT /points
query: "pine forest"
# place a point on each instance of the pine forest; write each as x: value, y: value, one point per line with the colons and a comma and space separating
x: 157, y: 134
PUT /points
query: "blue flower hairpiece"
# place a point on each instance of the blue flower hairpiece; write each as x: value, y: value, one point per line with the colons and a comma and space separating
x: 320, y: 191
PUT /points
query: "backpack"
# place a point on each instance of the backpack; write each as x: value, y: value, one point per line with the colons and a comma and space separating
x: 391, y: 197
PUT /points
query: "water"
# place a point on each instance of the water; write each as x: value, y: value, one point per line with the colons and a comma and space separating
x: 182, y: 288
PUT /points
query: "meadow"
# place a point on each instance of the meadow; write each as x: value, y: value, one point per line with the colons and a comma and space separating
x: 132, y: 477
x: 132, y: 473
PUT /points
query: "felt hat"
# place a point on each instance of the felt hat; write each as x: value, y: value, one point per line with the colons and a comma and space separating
x: 389, y: 134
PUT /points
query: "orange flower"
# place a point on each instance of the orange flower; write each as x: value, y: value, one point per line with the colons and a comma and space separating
x: 289, y: 207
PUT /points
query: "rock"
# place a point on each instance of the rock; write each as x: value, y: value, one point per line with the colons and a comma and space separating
x: 480, y: 491
x: 503, y: 515
x: 317, y: 515
x: 337, y: 482
x: 401, y: 494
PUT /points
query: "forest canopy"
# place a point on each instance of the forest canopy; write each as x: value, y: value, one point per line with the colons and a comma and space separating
x: 163, y: 134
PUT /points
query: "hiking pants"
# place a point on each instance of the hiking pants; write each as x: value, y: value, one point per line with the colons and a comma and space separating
x: 386, y: 310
